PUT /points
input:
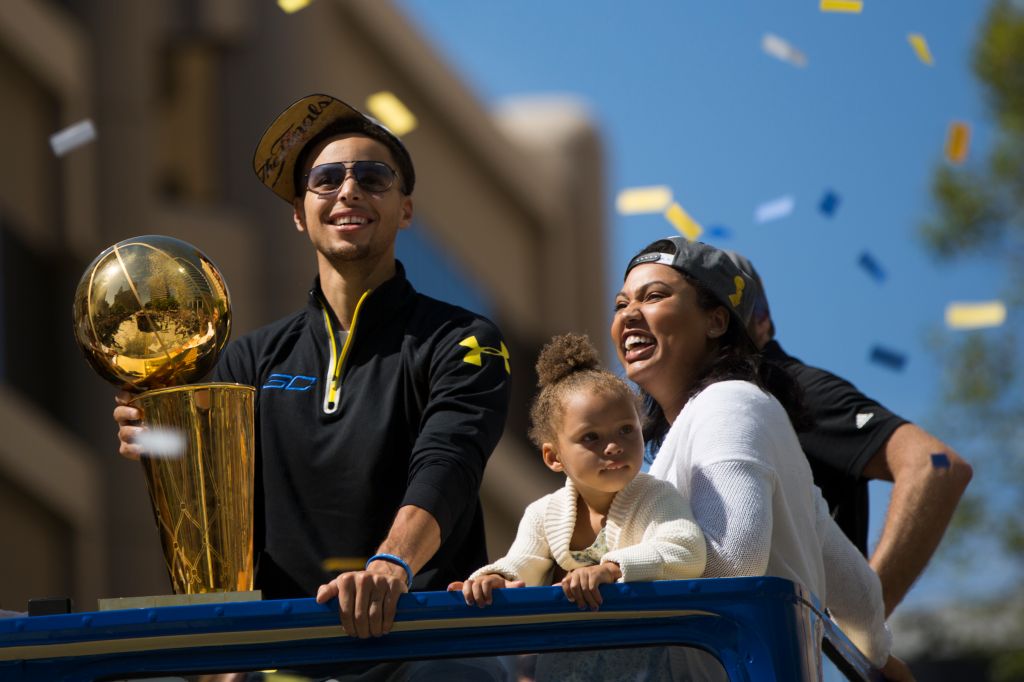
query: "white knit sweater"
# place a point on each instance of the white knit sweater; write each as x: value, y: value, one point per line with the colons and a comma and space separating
x: 650, y: 534
x: 733, y: 452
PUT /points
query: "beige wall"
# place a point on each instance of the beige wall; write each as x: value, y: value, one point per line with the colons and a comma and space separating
x: 180, y: 92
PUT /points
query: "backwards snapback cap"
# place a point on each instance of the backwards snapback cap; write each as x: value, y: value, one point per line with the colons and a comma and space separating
x: 712, y: 267
x: 760, y: 297
x: 284, y: 140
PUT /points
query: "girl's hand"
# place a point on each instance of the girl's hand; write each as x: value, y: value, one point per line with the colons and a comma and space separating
x: 478, y: 590
x: 581, y: 584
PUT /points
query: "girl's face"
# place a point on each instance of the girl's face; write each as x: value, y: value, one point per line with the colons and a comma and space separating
x: 662, y: 337
x: 599, y: 444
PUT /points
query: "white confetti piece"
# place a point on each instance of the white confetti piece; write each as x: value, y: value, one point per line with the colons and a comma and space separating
x: 72, y: 137
x: 775, y: 209
x: 162, y: 443
x: 781, y: 49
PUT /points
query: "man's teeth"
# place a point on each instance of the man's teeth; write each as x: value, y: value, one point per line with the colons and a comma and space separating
x: 351, y: 220
x: 633, y: 340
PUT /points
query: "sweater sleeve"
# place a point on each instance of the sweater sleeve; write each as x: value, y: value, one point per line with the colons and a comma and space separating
x: 529, y: 558
x: 462, y: 421
x: 672, y: 547
x: 853, y: 590
x: 732, y: 505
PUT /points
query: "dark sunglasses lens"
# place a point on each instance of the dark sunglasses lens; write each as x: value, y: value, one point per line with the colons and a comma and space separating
x: 373, y: 176
x: 326, y: 178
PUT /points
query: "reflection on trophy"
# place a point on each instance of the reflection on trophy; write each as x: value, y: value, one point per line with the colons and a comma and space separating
x: 152, y: 313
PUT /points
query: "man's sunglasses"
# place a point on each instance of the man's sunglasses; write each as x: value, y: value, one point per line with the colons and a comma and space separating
x: 372, y: 176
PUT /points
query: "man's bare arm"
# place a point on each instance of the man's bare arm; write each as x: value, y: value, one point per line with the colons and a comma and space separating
x: 925, y: 493
x: 367, y: 599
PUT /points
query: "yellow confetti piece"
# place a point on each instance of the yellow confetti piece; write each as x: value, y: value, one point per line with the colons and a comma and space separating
x: 293, y: 6
x: 848, y: 6
x: 920, y: 46
x: 975, y: 315
x: 958, y: 142
x: 342, y: 564
x: 654, y: 199
x: 682, y: 221
x: 392, y: 112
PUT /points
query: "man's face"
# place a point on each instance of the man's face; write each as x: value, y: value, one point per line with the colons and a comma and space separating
x: 353, y: 224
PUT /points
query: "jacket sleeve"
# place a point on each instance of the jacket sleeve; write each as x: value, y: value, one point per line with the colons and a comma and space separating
x: 853, y: 591
x: 529, y: 559
x: 672, y: 546
x: 461, y: 422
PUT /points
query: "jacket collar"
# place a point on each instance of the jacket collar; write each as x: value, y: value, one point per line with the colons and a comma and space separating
x: 384, y: 303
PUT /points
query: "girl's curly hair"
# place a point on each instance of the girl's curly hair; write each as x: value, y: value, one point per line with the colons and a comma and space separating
x: 569, y: 363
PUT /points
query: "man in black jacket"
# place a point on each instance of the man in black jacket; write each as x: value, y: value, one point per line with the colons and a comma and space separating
x: 854, y: 440
x: 377, y: 407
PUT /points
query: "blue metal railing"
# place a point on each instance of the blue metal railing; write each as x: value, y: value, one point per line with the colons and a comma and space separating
x: 757, y: 628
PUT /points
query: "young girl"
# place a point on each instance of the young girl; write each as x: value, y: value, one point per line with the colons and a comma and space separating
x: 610, y: 522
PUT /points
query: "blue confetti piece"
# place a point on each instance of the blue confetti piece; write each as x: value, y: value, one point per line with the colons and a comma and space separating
x: 829, y: 203
x: 888, y: 358
x: 871, y: 266
x: 719, y: 232
x: 940, y: 460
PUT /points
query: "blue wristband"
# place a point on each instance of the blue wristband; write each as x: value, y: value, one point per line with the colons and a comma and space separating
x: 391, y: 558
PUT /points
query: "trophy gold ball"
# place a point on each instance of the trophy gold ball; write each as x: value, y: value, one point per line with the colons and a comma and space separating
x: 152, y: 312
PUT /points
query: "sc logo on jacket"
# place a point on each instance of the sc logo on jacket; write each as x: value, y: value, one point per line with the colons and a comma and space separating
x: 290, y: 382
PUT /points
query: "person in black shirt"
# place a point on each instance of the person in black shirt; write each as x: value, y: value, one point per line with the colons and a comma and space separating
x: 376, y: 407
x: 855, y: 439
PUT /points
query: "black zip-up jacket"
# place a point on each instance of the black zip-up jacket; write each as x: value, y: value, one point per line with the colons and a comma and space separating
x: 406, y: 411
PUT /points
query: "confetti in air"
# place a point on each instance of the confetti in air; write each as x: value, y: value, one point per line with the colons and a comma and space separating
x: 719, y: 232
x: 940, y: 460
x: 293, y: 6
x: 871, y: 266
x: 847, y: 6
x: 636, y: 200
x: 392, y: 112
x: 888, y: 358
x: 780, y: 49
x: 682, y: 221
x: 72, y: 137
x: 920, y: 46
x: 775, y: 209
x: 958, y: 142
x: 161, y: 443
x: 829, y: 204
x: 975, y: 315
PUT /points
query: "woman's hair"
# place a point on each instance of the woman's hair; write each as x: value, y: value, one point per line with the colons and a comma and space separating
x: 735, y: 358
x: 567, y: 364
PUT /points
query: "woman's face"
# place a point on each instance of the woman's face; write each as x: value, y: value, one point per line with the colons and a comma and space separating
x: 662, y: 337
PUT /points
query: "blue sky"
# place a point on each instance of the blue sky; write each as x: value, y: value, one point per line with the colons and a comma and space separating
x: 685, y: 96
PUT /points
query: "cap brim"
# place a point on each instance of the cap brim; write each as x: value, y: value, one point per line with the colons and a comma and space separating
x: 278, y: 150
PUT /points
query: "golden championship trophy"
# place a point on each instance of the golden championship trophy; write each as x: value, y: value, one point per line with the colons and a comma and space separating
x: 152, y: 313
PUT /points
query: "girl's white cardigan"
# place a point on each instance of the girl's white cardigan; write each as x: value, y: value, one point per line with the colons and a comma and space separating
x: 650, y: 534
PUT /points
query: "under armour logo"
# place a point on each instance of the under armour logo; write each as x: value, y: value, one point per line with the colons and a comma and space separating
x: 738, y: 296
x: 476, y: 351
x: 863, y: 418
